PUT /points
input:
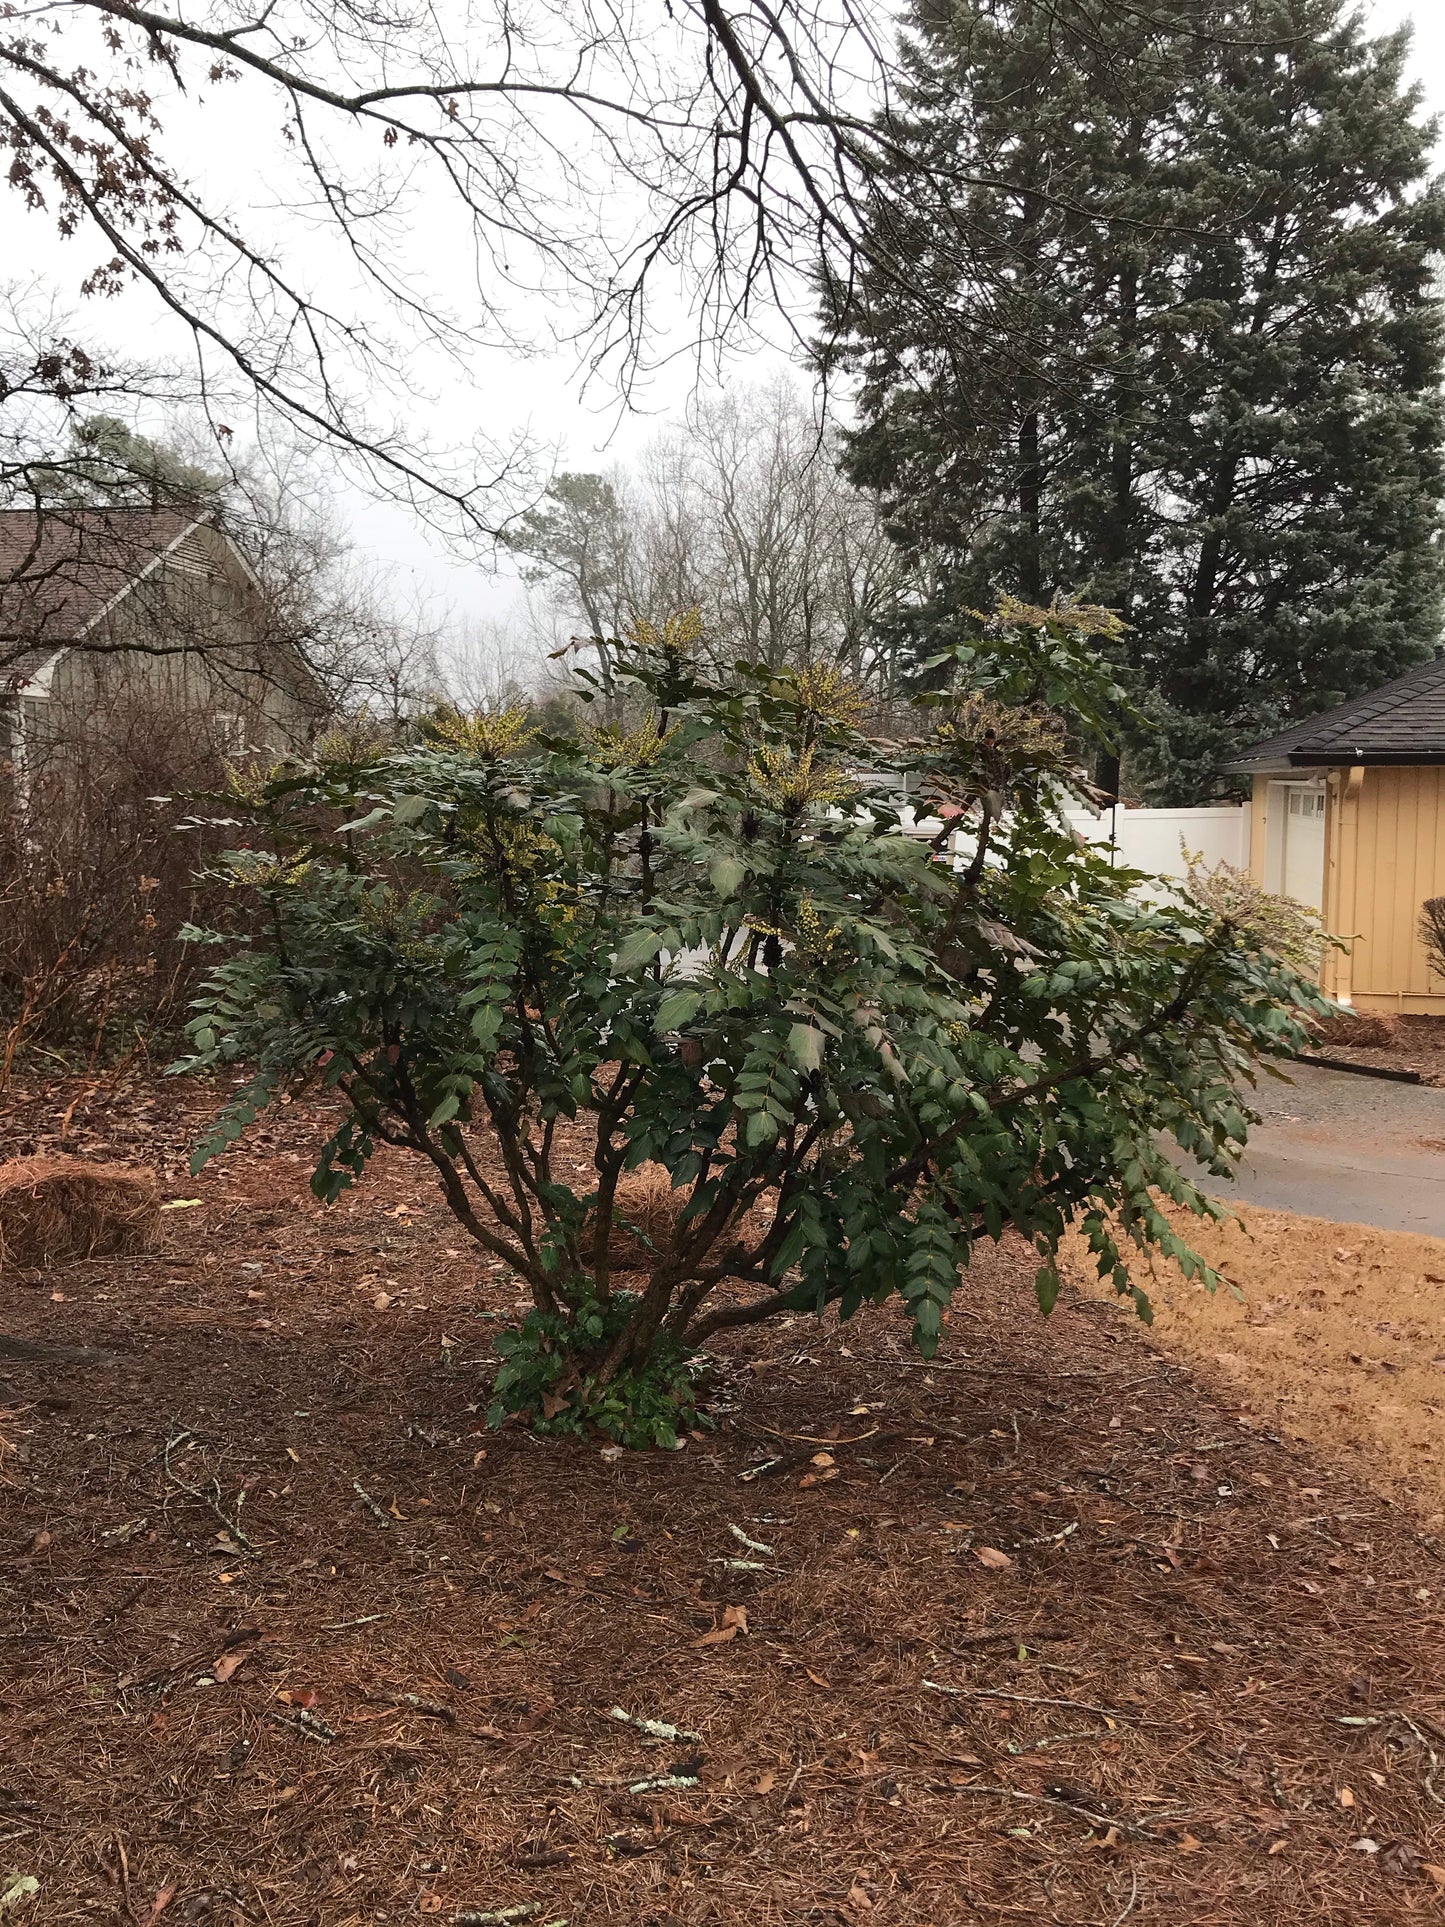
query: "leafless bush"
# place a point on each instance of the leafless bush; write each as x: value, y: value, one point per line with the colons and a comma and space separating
x: 1432, y: 932
x: 95, y: 882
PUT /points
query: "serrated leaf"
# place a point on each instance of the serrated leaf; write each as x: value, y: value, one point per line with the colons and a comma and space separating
x: 678, y: 1007
x: 805, y: 1043
x: 726, y: 873
x: 639, y: 949
x: 367, y: 822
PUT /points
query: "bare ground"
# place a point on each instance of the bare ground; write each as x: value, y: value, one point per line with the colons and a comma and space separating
x: 1206, y: 1686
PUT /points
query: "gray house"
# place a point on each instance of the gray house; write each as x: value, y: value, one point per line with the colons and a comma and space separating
x: 110, y: 615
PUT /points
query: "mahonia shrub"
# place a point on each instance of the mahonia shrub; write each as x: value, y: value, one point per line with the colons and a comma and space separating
x: 700, y: 939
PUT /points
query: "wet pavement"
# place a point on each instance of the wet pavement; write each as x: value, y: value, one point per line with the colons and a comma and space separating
x: 1356, y: 1150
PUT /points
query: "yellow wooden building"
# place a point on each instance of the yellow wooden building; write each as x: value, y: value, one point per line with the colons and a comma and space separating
x: 1348, y: 816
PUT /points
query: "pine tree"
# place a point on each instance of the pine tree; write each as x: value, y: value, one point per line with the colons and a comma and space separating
x: 1211, y: 394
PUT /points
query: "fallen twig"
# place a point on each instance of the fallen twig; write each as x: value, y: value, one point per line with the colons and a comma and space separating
x: 786, y: 1461
x: 654, y: 1729
x: 807, y: 1438
x: 1384, y: 1719
x: 1119, y: 1919
x: 760, y: 1471
x: 1015, y: 1747
x: 433, y: 1709
x: 1046, y: 1538
x: 1126, y: 1827
x: 377, y: 1511
x: 1025, y: 1699
x: 307, y: 1725
x: 666, y: 1783
x: 523, y: 1910
x: 753, y: 1545
x: 233, y: 1526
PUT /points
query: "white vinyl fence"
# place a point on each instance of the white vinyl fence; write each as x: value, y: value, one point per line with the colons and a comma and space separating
x: 1151, y: 839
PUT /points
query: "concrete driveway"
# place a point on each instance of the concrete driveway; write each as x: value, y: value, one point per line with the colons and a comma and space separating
x: 1356, y: 1150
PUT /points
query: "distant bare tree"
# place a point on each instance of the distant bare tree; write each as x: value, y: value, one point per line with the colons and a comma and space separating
x: 790, y: 561
x: 741, y: 512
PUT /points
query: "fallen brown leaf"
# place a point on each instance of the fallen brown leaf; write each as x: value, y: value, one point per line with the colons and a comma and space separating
x: 162, y: 1900
x: 226, y: 1665
x: 719, y: 1636
x: 991, y: 1557
x: 736, y: 1616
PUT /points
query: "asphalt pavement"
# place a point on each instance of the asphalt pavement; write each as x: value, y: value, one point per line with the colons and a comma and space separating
x: 1355, y: 1150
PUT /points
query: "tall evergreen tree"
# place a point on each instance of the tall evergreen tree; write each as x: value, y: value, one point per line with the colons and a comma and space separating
x: 1210, y: 393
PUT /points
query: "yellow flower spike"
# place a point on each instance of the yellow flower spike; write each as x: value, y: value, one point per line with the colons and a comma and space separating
x: 247, y: 781
x: 489, y: 733
x: 629, y: 749
x: 676, y: 636
x: 825, y: 692
x: 1084, y: 618
x: 792, y: 781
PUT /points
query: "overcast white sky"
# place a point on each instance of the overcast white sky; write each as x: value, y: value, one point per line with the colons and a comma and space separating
x: 543, y: 397
x: 538, y: 395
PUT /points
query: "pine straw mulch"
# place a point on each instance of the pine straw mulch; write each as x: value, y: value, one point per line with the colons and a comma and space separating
x: 1341, y: 1337
x: 1207, y: 1688
x: 65, y: 1207
x: 1403, y: 1043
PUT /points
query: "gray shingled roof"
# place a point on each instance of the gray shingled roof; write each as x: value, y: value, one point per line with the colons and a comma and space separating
x: 1404, y: 722
x: 59, y: 569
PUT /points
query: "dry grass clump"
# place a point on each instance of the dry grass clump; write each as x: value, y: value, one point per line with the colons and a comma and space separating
x: 53, y: 1209
x: 1341, y: 1333
x: 646, y: 1213
x: 1358, y: 1030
